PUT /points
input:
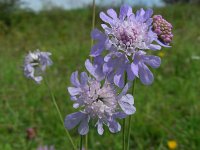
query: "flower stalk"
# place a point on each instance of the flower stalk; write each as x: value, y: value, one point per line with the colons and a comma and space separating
x: 59, y: 113
x: 129, y: 118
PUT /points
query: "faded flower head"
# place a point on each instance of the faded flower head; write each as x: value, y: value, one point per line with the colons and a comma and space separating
x: 45, y: 148
x: 35, y: 64
x: 97, y: 101
x: 163, y: 29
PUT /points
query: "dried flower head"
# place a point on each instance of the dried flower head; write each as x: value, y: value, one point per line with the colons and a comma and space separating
x: 35, y: 64
x: 163, y: 29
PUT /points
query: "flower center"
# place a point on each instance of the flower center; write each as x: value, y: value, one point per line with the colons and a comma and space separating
x: 102, y: 101
x: 129, y: 36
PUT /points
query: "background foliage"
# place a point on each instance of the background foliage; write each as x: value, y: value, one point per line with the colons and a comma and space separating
x: 168, y: 109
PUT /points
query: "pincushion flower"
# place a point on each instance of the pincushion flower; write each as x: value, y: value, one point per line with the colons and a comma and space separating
x: 35, y: 64
x: 127, y: 38
x: 96, y: 101
x: 127, y: 33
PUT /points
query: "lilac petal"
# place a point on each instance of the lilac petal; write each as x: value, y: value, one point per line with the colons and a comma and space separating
x: 73, y: 119
x: 108, y: 57
x: 38, y: 79
x: 130, y: 73
x: 124, y: 91
x: 119, y: 77
x: 114, y: 126
x: 153, y: 61
x: 84, y: 78
x: 162, y: 44
x: 132, y: 17
x: 146, y: 76
x: 76, y: 105
x: 100, y: 127
x: 139, y: 14
x: 74, y: 91
x: 126, y: 103
x: 106, y: 28
x: 135, y: 69
x: 108, y: 67
x: 74, y: 79
x: 96, y: 69
x: 125, y: 10
x: 148, y: 14
x: 112, y: 13
x: 105, y: 18
x: 84, y: 127
x: 96, y: 34
x: 97, y: 49
x: 119, y: 115
x: 154, y: 47
x: 149, y: 21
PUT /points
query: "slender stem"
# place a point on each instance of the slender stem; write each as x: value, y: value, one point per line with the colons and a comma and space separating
x: 93, y: 19
x: 129, y: 118
x: 81, y: 142
x: 124, y: 135
x: 86, y: 141
x: 124, y: 122
x: 92, y: 42
x: 59, y: 113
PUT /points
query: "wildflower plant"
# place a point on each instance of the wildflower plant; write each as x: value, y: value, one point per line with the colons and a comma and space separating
x: 123, y: 52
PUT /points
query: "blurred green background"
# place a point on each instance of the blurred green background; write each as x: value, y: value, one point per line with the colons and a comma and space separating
x: 169, y: 109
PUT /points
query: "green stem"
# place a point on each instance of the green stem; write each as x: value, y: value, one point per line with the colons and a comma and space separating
x: 59, y: 113
x: 129, y: 119
x: 124, y: 122
x: 92, y: 42
x: 86, y: 142
x: 81, y: 142
x: 124, y: 135
x: 93, y: 19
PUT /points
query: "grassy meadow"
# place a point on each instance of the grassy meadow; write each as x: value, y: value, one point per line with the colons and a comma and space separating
x: 169, y: 109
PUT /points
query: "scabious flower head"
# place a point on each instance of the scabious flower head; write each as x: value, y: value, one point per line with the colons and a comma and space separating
x: 99, y: 102
x: 127, y: 33
x: 35, y: 64
x: 163, y: 29
x: 127, y: 37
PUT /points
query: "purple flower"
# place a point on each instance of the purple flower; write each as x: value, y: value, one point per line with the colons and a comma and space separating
x: 126, y: 38
x: 163, y: 29
x: 35, y: 64
x: 127, y: 33
x: 97, y: 101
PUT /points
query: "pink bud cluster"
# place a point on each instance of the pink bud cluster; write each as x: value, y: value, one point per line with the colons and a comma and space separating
x: 163, y: 29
